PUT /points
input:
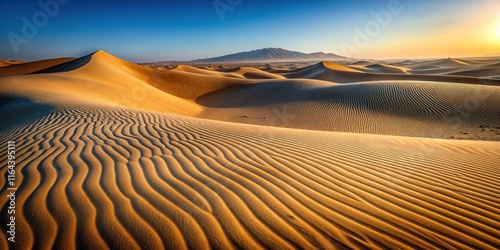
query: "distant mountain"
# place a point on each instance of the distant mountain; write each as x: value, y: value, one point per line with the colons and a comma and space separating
x: 271, y: 55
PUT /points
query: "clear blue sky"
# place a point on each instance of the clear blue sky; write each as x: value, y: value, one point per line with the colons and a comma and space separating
x: 143, y: 31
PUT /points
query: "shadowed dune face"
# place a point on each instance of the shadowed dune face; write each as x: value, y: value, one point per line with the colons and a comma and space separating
x: 18, y: 111
x: 341, y: 75
x: 382, y: 68
x: 30, y: 67
x: 423, y: 109
x: 111, y: 154
x: 68, y: 66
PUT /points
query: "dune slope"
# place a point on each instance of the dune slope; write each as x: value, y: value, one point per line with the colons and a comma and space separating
x: 30, y: 67
x: 108, y: 177
x: 407, y: 108
x: 104, y: 79
x: 342, y: 74
x: 4, y: 63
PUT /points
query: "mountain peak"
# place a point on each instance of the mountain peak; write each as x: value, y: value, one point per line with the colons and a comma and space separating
x: 271, y: 55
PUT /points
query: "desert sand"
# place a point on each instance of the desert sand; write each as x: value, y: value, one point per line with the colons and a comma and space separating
x: 401, y: 154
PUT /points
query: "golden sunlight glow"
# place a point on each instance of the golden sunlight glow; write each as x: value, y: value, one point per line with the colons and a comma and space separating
x: 497, y: 32
x: 494, y: 28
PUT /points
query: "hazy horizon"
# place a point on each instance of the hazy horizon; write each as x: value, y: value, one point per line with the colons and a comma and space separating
x: 182, y: 31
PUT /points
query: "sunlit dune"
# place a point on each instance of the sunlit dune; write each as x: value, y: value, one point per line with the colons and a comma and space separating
x: 381, y: 68
x: 4, y: 63
x: 361, y: 155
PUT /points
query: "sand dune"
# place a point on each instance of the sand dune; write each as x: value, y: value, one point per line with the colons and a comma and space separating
x: 195, y: 70
x: 102, y: 78
x: 340, y: 74
x: 30, y: 67
x: 240, y: 72
x: 423, y: 109
x: 405, y: 63
x: 440, y: 63
x: 360, y: 63
x: 4, y: 63
x: 461, y: 61
x: 153, y: 180
x: 456, y: 67
x: 490, y: 72
x: 383, y: 68
x: 324, y: 71
x: 252, y: 73
x: 100, y: 81
x: 477, y: 69
x: 111, y: 154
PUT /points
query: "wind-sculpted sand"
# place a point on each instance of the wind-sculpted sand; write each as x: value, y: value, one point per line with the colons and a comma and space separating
x: 115, y: 155
x: 8, y: 68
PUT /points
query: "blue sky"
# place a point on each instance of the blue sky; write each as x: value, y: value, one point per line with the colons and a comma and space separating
x: 143, y: 31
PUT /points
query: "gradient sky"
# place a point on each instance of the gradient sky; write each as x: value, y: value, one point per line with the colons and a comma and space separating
x: 142, y: 31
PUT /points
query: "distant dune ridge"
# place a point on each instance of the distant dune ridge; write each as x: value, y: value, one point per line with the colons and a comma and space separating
x: 4, y: 63
x: 358, y: 155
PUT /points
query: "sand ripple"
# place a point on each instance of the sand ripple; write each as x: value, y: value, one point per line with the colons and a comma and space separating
x: 124, y: 179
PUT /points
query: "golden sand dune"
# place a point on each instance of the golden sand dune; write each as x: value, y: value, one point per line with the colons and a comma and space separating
x: 252, y: 73
x: 480, y: 70
x: 381, y: 68
x: 440, y: 63
x: 404, y: 63
x: 423, y: 109
x: 120, y: 178
x: 4, y: 63
x: 487, y: 68
x: 342, y: 74
x: 110, y: 154
x: 361, y: 63
x: 195, y: 70
x: 322, y: 71
x: 240, y: 72
x: 110, y: 82
x: 102, y: 78
x: 432, y: 109
x: 30, y: 67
